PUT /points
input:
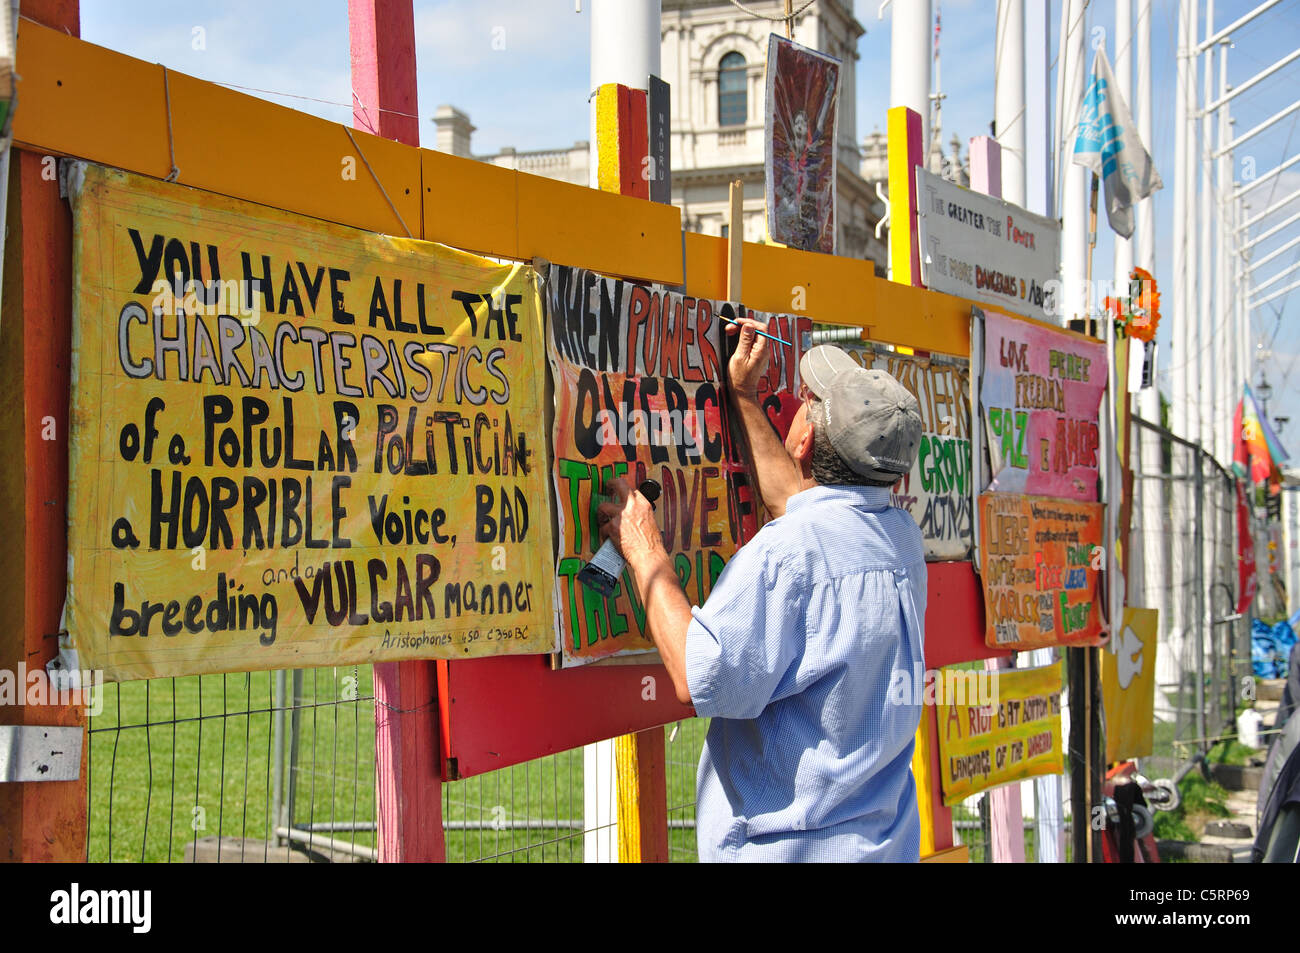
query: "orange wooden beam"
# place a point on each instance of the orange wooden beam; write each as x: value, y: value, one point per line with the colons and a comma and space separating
x: 74, y: 104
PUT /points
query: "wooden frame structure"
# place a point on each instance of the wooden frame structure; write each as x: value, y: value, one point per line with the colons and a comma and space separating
x: 81, y: 100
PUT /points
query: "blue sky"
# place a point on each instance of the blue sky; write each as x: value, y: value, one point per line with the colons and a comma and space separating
x: 520, y: 69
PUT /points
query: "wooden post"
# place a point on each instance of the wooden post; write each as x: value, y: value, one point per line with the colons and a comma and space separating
x: 735, y: 240
x: 41, y: 820
x: 905, y: 154
x: 640, y: 764
x: 622, y: 140
x: 408, y: 776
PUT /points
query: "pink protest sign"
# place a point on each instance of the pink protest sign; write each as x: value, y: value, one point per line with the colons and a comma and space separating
x: 1040, y: 397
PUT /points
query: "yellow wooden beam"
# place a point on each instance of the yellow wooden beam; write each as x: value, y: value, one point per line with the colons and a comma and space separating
x: 835, y: 290
x: 75, y: 98
x: 78, y: 99
x: 614, y: 234
x: 471, y: 205
x: 952, y: 855
x: 82, y: 100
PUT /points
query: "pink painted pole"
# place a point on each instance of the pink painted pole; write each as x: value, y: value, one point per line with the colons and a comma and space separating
x: 986, y: 166
x: 1005, y: 820
x: 382, y: 34
x: 408, y: 779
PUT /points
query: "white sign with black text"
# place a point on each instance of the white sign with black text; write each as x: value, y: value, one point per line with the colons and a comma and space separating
x: 985, y: 249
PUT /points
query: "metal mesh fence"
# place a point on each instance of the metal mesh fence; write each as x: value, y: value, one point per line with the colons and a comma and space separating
x: 209, y: 768
x: 1184, y: 524
x: 972, y: 826
x: 280, y: 767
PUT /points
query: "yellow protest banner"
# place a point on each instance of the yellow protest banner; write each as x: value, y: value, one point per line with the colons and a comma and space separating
x: 1128, y: 686
x: 1018, y: 736
x: 297, y: 444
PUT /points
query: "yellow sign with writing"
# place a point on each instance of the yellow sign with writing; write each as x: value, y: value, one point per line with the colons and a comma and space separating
x: 295, y: 443
x: 1128, y: 686
x: 1016, y: 736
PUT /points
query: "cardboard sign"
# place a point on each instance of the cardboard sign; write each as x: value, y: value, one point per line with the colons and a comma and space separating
x: 639, y: 393
x: 659, y: 116
x: 1128, y: 686
x: 1041, y: 395
x: 986, y: 249
x: 296, y: 444
x: 802, y: 93
x: 1018, y: 736
x: 937, y: 491
x: 1042, y: 560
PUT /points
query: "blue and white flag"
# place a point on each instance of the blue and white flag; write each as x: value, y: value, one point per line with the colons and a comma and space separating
x: 1109, y: 145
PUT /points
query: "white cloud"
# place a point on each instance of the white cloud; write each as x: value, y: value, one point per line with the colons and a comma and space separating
x: 519, y: 36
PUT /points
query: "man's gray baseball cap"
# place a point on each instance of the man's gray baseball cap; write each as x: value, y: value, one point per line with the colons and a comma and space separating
x: 872, y: 421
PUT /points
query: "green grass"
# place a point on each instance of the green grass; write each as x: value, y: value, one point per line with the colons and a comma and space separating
x: 174, y: 760
x: 552, y: 788
x: 1202, y: 801
x: 1231, y: 751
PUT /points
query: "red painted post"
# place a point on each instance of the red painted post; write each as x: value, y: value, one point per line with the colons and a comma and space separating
x: 45, y: 820
x: 633, y: 125
x: 408, y: 778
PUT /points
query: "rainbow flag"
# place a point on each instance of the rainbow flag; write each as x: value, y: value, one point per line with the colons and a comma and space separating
x: 1258, y: 453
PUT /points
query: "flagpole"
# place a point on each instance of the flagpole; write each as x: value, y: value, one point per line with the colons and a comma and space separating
x: 1207, y: 340
x: 1123, y: 70
x: 1208, y: 348
x: 1009, y: 98
x: 1222, y: 304
x: 1190, y: 273
x: 1071, y: 83
x: 1175, y: 623
x: 1092, y: 239
x: 1073, y: 206
x: 909, y: 62
x: 1180, y: 318
x: 1040, y: 195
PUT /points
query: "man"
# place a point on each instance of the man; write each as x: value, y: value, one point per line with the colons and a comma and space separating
x: 807, y: 757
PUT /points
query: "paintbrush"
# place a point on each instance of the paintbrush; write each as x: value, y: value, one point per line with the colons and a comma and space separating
x: 756, y: 331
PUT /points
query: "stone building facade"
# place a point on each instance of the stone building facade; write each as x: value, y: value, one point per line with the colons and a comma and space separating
x: 713, y: 56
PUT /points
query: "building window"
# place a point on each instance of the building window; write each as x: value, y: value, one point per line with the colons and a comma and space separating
x: 726, y: 231
x: 732, y: 98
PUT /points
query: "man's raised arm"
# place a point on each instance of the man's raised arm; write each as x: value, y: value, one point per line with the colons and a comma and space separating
x: 773, y: 469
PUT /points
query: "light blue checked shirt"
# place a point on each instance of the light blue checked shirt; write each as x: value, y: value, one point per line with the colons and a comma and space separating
x: 792, y: 655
